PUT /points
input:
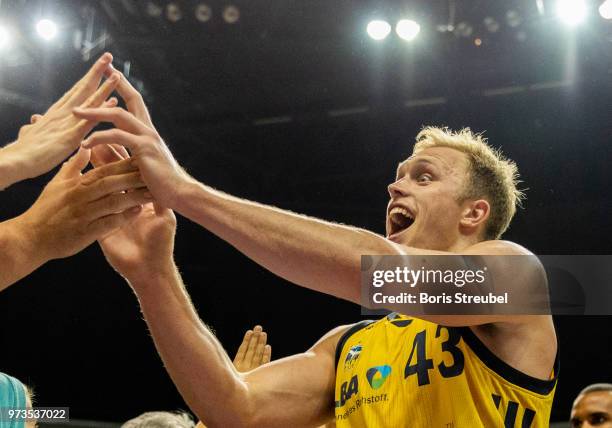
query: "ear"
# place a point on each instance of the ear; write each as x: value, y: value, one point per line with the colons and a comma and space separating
x: 474, y: 216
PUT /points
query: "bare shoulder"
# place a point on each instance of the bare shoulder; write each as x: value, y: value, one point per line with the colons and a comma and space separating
x: 498, y: 247
x: 329, y: 341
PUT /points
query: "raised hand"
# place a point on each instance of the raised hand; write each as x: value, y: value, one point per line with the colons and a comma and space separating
x: 135, y: 131
x: 50, y: 138
x: 144, y: 245
x: 253, y: 351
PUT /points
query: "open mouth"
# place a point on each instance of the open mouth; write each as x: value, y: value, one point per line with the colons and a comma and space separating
x: 401, y: 219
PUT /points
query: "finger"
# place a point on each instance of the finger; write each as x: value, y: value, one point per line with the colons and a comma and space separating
x: 259, y: 350
x: 114, y: 184
x: 104, y: 154
x: 121, y: 167
x: 73, y: 166
x: 267, y: 355
x: 251, y: 347
x: 133, y: 98
x: 34, y: 118
x: 243, y: 347
x: 111, y: 102
x: 105, y: 225
x: 121, y: 150
x: 103, y: 92
x: 115, y: 137
x: 116, y: 203
x: 116, y: 115
x: 86, y: 86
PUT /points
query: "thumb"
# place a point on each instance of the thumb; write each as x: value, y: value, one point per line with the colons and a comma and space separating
x: 104, y: 154
x: 75, y: 164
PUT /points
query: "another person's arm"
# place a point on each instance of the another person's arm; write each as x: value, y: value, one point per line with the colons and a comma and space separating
x: 71, y: 212
x: 52, y: 137
x: 295, y: 391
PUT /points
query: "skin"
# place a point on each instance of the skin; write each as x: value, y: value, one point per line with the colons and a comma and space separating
x: 309, y: 252
x: 73, y: 211
x: 51, y: 138
x: 593, y: 409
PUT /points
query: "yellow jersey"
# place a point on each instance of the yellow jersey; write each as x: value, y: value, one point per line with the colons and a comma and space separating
x: 405, y: 372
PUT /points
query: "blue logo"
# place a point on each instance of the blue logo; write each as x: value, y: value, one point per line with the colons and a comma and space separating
x: 378, y: 375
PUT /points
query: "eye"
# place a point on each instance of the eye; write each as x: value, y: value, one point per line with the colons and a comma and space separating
x: 576, y: 423
x: 424, y: 178
x: 597, y: 419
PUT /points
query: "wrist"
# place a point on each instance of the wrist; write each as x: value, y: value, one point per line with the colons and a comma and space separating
x: 186, y: 190
x: 12, y: 165
x: 25, y: 241
x: 146, y: 278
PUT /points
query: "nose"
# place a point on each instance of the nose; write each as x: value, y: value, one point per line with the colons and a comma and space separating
x: 397, y: 188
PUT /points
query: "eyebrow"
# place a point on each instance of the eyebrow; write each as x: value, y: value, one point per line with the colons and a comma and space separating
x: 413, y: 160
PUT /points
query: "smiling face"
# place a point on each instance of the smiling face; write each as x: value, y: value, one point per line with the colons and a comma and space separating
x: 593, y: 409
x: 425, y: 209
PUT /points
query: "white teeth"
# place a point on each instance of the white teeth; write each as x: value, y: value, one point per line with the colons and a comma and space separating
x: 402, y: 211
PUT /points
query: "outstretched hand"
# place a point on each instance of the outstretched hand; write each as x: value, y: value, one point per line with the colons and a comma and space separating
x: 143, y: 246
x: 135, y: 131
x: 50, y: 138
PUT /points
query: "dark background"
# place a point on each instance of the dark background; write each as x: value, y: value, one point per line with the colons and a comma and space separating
x: 258, y: 108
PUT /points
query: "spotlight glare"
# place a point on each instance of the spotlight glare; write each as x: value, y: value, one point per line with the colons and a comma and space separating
x: 571, y: 12
x: 5, y: 38
x: 407, y: 29
x: 173, y: 12
x: 231, y: 14
x: 46, y: 29
x: 605, y: 10
x: 379, y: 30
x: 203, y: 12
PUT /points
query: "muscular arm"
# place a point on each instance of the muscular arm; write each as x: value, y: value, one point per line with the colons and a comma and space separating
x: 313, y: 253
x: 18, y: 252
x: 325, y: 256
x: 295, y: 391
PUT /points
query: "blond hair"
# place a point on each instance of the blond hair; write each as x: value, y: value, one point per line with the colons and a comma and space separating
x: 492, y: 176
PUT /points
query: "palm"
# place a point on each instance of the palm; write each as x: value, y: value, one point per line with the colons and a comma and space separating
x: 144, y: 242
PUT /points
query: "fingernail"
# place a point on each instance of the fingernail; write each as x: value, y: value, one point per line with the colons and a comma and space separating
x: 85, y: 144
x: 135, y: 209
x: 148, y: 195
x: 114, y: 78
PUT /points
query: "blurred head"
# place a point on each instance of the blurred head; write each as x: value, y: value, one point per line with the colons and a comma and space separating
x: 160, y: 420
x: 593, y: 407
x: 453, y: 188
x: 14, y: 394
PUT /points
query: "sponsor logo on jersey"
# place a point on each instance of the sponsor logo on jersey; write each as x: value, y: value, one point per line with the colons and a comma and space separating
x: 377, y: 375
x: 352, y: 356
x: 347, y: 390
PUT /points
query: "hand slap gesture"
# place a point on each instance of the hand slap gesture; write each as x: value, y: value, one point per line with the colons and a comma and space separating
x: 134, y: 130
x: 50, y: 138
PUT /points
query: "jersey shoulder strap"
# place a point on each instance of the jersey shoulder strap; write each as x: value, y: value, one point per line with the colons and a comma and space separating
x: 347, y: 334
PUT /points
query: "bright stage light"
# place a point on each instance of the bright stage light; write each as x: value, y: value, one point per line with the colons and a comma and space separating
x: 46, y: 29
x: 5, y: 38
x: 605, y: 10
x: 379, y: 30
x: 571, y: 12
x: 407, y: 29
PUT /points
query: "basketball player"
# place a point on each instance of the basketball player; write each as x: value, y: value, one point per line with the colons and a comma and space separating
x: 455, y: 195
x: 593, y: 407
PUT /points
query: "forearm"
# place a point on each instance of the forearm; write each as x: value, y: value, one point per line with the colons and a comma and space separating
x: 309, y: 252
x: 195, y: 360
x: 19, y: 251
x: 12, y: 166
